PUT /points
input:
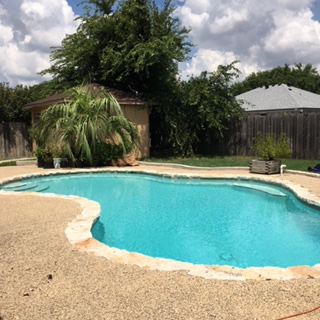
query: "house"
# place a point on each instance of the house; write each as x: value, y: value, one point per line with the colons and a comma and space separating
x: 276, y: 109
x: 279, y: 98
x: 133, y: 108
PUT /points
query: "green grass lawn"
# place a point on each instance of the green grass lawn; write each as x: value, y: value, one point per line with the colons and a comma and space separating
x: 8, y: 163
x: 230, y: 161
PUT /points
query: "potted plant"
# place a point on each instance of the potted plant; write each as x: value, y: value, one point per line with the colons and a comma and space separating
x: 59, y: 161
x: 271, y: 150
x: 44, y: 157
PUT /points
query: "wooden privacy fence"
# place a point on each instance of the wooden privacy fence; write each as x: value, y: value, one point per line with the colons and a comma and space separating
x: 302, y: 128
x: 14, y: 141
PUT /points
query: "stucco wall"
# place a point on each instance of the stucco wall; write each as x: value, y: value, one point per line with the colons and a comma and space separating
x: 139, y: 115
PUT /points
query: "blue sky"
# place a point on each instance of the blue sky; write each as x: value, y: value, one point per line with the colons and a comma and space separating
x: 316, y: 10
x: 260, y: 34
x: 78, y: 9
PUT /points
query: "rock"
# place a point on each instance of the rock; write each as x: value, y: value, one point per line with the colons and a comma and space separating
x: 127, y: 160
x: 121, y: 163
x: 130, y: 160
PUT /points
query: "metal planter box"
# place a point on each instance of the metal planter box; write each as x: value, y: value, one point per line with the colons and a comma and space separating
x: 266, y: 167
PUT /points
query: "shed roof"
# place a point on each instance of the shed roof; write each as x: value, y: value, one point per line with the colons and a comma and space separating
x: 121, y: 96
x: 278, y: 97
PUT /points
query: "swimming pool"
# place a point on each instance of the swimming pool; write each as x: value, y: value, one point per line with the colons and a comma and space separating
x: 225, y: 222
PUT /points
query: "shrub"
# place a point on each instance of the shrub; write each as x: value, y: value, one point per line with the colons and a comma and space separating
x: 82, y: 125
x: 105, y: 152
x: 270, y: 148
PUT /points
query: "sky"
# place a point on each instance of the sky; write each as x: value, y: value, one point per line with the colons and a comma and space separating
x: 260, y: 34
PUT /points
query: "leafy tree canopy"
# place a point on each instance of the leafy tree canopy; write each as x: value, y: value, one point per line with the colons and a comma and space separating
x: 305, y: 77
x: 204, y: 105
x: 128, y: 44
x: 13, y: 99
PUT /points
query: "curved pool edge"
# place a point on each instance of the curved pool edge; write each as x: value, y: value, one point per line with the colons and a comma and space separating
x: 78, y: 232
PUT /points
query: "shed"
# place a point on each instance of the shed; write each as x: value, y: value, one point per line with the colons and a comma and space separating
x: 132, y: 106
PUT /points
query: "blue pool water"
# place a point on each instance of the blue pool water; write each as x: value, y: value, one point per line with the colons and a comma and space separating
x: 222, y: 222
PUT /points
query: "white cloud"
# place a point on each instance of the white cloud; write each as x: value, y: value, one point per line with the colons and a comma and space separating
x: 28, y: 28
x: 261, y: 34
x: 206, y: 59
x: 6, y: 35
x: 209, y: 60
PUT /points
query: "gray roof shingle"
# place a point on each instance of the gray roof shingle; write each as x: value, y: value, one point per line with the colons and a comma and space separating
x: 278, y: 97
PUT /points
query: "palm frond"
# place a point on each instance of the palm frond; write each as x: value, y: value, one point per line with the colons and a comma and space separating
x: 84, y: 121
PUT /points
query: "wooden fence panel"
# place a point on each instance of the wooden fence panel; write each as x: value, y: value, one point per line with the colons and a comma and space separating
x: 14, y: 141
x: 302, y: 128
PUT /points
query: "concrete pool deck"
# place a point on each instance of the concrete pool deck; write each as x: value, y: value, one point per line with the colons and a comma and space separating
x: 43, y: 277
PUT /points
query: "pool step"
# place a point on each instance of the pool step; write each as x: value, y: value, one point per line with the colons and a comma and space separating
x: 26, y: 187
x: 13, y: 186
x: 40, y: 189
x: 265, y: 189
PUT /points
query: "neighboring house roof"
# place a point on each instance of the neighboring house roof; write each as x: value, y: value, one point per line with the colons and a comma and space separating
x: 121, y: 96
x: 278, y: 97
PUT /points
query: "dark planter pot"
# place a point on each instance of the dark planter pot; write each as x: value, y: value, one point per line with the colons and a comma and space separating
x: 81, y: 164
x: 44, y: 164
x: 64, y: 163
x: 265, y: 167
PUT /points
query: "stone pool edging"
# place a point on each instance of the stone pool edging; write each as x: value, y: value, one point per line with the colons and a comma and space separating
x: 78, y: 231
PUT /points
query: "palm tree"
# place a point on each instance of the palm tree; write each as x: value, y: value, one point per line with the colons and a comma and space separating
x: 84, y: 122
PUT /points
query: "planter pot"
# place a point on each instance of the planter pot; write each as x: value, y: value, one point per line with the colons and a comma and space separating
x: 44, y: 164
x: 57, y: 163
x: 60, y: 163
x: 266, y: 167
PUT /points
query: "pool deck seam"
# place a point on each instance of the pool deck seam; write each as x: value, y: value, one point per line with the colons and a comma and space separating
x: 78, y: 231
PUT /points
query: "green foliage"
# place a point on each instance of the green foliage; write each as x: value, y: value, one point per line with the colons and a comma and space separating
x: 270, y: 148
x: 12, y: 100
x: 130, y: 44
x: 81, y: 124
x: 201, y: 109
x: 283, y: 149
x: 305, y: 77
x: 8, y: 164
x: 47, y: 153
x: 105, y: 152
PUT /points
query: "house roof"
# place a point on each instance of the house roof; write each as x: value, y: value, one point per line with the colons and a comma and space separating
x: 121, y: 96
x: 278, y: 97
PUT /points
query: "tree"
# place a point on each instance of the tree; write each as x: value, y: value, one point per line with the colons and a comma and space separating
x: 12, y: 100
x: 204, y: 106
x: 305, y: 77
x: 85, y: 125
x: 131, y: 45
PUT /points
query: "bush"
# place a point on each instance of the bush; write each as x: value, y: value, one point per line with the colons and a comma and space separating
x: 270, y: 148
x: 105, y: 152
